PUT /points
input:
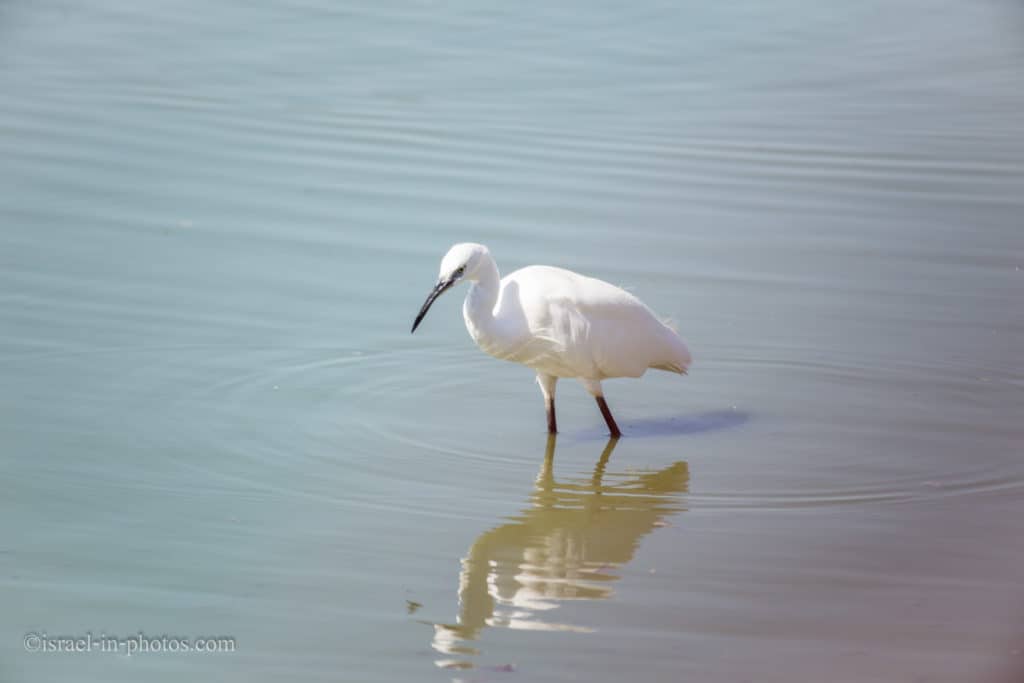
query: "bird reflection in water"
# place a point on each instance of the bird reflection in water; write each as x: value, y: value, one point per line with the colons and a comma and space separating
x: 565, y: 546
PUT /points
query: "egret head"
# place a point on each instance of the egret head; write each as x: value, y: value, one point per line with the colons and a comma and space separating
x: 462, y: 262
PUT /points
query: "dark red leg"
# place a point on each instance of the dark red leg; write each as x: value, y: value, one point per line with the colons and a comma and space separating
x: 612, y: 427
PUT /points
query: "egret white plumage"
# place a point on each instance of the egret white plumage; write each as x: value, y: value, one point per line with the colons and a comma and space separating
x: 559, y: 323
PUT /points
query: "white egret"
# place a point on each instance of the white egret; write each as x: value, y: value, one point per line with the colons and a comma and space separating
x: 559, y: 323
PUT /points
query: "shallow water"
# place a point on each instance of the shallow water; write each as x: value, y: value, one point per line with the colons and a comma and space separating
x: 218, y: 222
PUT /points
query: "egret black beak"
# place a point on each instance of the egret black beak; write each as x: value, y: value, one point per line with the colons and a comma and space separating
x: 440, y: 288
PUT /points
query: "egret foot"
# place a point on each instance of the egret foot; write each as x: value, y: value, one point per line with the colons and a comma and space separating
x: 607, y: 414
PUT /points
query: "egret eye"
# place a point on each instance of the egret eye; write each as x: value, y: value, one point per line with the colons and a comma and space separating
x: 459, y: 271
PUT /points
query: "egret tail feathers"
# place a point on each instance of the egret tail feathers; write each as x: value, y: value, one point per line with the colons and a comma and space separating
x: 672, y: 367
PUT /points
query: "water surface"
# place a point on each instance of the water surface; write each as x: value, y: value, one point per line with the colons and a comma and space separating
x: 218, y: 222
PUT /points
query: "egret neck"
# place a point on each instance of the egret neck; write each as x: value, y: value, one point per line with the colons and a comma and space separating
x: 478, y: 308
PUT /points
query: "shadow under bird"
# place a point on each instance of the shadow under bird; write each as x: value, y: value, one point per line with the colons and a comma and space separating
x: 559, y: 323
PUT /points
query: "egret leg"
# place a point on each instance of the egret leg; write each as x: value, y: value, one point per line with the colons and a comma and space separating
x: 547, y: 387
x: 594, y: 387
x: 612, y: 427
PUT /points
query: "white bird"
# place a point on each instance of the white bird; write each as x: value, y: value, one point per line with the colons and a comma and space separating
x: 559, y: 323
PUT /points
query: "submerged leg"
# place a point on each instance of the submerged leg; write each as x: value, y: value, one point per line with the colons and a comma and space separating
x: 594, y: 387
x: 547, y: 387
x: 546, y: 476
x: 602, y: 462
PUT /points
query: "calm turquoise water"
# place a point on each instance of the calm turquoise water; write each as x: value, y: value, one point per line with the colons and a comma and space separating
x: 217, y: 222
